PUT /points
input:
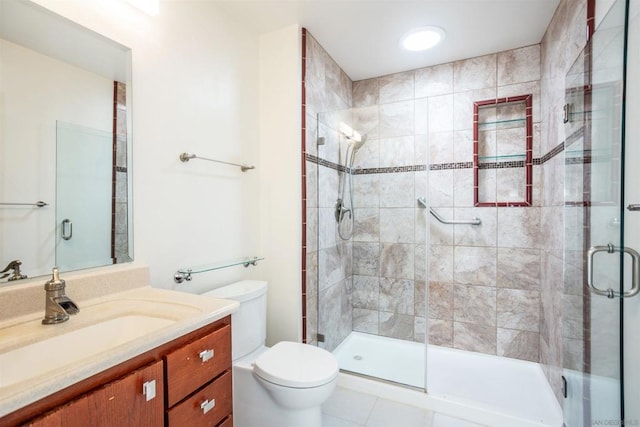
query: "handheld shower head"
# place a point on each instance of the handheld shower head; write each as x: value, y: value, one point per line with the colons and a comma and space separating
x: 354, y: 139
x: 358, y: 143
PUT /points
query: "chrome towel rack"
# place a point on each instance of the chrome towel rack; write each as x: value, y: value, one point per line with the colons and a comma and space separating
x: 473, y: 221
x: 39, y: 204
x: 185, y: 157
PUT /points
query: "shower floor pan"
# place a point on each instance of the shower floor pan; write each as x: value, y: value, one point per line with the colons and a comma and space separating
x: 515, y: 388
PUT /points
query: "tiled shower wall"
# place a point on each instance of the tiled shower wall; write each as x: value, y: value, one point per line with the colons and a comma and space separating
x: 564, y: 39
x: 120, y: 229
x: 328, y: 259
x: 495, y: 288
x: 484, y: 282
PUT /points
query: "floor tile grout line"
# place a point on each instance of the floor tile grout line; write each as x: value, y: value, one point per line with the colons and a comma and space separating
x: 375, y: 402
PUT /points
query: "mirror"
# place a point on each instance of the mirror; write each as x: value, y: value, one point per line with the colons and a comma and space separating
x: 65, y: 140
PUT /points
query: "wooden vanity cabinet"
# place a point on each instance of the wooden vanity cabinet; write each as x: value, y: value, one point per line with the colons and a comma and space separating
x: 193, y: 388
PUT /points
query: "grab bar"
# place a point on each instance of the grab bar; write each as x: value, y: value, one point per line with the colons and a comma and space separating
x: 185, y: 157
x: 473, y: 221
x: 39, y: 204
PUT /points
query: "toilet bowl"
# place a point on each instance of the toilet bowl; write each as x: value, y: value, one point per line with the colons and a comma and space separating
x: 281, y: 386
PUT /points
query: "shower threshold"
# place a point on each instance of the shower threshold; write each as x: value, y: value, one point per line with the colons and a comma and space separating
x: 514, y: 388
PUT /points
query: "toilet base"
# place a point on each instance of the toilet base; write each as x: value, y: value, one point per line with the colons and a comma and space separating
x: 254, y: 407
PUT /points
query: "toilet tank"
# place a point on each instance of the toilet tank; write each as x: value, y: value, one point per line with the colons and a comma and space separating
x: 249, y: 323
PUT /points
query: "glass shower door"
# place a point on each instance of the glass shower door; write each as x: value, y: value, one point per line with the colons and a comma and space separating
x: 370, y: 248
x: 83, y: 197
x: 597, y: 264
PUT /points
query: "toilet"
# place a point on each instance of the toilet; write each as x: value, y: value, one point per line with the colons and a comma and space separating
x: 281, y: 386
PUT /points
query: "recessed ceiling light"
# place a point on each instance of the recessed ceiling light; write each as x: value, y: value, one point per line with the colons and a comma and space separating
x: 422, y: 38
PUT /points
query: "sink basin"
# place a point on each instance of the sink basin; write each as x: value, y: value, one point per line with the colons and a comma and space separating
x: 60, y: 351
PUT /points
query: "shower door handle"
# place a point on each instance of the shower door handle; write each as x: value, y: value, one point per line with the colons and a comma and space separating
x: 635, y: 272
x: 67, y: 229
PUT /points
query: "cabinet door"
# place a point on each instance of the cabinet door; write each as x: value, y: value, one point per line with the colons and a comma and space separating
x: 73, y: 414
x: 120, y: 403
x: 126, y: 402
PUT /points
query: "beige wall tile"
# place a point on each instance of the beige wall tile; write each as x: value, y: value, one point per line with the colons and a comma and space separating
x: 396, y: 87
x: 518, y: 344
x: 519, y: 65
x: 474, y: 337
x: 519, y: 309
x: 474, y: 304
x: 475, y: 73
x: 433, y: 81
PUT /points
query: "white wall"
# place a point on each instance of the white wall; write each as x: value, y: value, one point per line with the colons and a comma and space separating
x: 30, y: 81
x: 195, y: 89
x: 280, y: 183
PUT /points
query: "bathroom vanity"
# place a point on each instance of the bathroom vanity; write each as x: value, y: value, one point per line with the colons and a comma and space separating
x: 140, y: 356
x: 133, y: 393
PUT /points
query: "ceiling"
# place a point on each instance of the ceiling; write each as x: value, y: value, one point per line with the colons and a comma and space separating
x: 362, y: 35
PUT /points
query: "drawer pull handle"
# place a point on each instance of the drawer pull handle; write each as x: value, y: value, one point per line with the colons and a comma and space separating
x: 207, y: 405
x: 149, y: 389
x: 206, y: 355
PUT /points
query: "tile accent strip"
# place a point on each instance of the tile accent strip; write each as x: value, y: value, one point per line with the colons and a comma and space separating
x: 445, y: 166
x: 434, y: 167
x: 461, y: 165
x: 394, y: 169
x: 551, y: 154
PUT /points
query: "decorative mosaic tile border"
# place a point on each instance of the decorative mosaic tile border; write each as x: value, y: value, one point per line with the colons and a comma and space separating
x: 551, y: 154
x: 445, y: 166
x: 461, y: 165
x: 393, y: 169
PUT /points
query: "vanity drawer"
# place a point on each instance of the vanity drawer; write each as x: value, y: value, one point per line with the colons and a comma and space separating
x: 197, y: 363
x: 193, y: 413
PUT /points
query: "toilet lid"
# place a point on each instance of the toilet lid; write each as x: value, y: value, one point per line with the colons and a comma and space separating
x: 297, y: 365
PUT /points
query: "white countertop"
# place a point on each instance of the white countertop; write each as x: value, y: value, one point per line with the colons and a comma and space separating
x: 187, y: 312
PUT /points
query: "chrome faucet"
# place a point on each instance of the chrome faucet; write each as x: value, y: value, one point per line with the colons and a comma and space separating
x: 15, y: 274
x: 58, y: 306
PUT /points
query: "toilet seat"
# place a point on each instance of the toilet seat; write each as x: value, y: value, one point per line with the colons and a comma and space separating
x: 296, y: 365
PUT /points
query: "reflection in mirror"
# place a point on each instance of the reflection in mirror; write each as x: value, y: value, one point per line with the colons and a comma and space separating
x: 64, y: 140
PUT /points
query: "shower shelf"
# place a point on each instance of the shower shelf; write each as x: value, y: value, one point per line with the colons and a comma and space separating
x: 515, y: 122
x: 185, y: 273
x: 506, y: 157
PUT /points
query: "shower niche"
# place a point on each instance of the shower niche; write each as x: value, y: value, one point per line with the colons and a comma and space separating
x: 503, y: 152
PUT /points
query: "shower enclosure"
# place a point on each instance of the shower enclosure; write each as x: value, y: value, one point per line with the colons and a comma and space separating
x: 497, y: 312
x: 450, y: 307
x: 601, y: 261
x: 373, y: 283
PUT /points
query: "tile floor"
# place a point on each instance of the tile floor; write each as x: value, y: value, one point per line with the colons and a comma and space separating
x: 347, y: 408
